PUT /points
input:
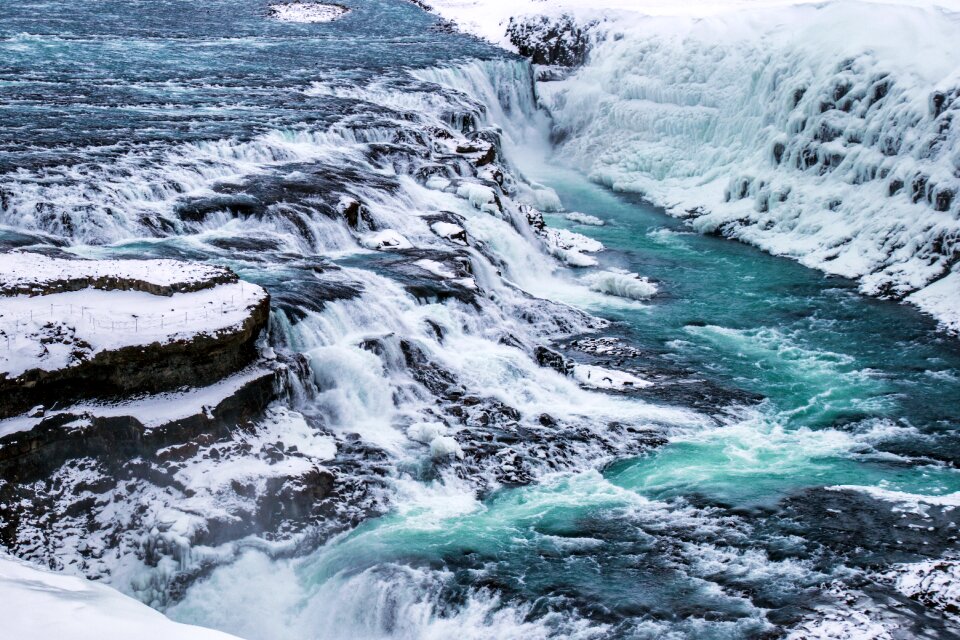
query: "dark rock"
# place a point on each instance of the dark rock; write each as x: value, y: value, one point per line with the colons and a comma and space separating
x: 551, y: 359
x: 33, y: 454
x: 551, y: 41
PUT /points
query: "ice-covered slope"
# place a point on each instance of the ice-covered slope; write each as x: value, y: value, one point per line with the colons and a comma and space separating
x: 490, y: 18
x: 821, y: 132
x: 40, y: 605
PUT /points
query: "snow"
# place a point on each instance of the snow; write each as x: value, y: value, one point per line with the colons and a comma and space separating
x: 22, y: 272
x: 841, y: 625
x: 153, y: 410
x: 207, y: 480
x: 935, y: 583
x: 571, y: 247
x: 480, y: 196
x: 307, y: 12
x: 386, y: 239
x: 40, y: 605
x: 620, y: 283
x: 941, y: 300
x: 489, y: 18
x: 584, y: 218
x: 602, y: 378
x: 436, y: 268
x: 60, y: 330
x: 450, y: 231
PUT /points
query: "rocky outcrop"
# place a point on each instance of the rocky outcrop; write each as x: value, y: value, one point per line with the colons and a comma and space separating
x: 148, y: 368
x: 551, y: 41
x: 59, y: 351
x: 80, y: 432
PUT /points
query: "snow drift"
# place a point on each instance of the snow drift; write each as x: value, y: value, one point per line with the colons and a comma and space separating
x: 40, y: 605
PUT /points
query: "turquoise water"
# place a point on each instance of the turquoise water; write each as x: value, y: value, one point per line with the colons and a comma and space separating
x: 850, y: 383
x: 725, y: 532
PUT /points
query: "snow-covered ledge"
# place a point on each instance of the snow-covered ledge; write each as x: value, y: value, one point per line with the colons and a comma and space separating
x: 90, y: 328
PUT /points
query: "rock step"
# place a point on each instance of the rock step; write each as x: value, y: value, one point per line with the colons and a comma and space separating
x: 32, y: 447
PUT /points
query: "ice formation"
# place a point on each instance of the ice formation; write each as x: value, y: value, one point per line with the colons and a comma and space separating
x: 616, y: 282
x: 583, y: 218
x: 803, y: 129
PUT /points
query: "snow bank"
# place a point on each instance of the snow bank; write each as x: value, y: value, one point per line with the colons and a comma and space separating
x: 386, y: 239
x: 571, y: 247
x: 307, y: 12
x: 436, y: 268
x: 489, y: 18
x: 40, y: 605
x: 935, y: 583
x: 846, y: 624
x: 602, y: 378
x: 450, y: 231
x: 584, y: 218
x: 153, y: 410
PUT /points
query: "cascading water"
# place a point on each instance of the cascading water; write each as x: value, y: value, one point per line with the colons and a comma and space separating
x: 790, y: 464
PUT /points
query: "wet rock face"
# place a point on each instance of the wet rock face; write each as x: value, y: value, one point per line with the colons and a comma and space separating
x: 553, y: 360
x: 174, y: 498
x: 550, y: 41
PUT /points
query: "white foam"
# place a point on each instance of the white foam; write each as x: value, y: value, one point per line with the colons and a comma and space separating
x: 584, y: 218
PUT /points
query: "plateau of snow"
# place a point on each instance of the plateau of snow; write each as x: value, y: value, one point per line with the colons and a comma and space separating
x: 23, y: 271
x: 55, y: 331
x: 823, y: 132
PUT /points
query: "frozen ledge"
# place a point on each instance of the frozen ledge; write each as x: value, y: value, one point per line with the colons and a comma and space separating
x: 34, y: 445
x: 307, y: 12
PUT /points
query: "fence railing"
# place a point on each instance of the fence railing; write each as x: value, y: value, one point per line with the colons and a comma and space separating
x: 13, y: 327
